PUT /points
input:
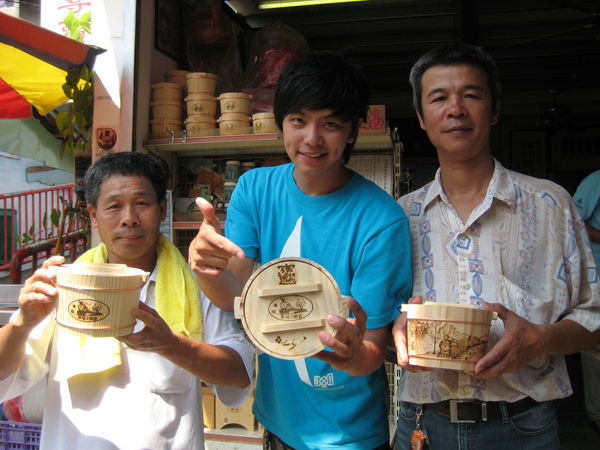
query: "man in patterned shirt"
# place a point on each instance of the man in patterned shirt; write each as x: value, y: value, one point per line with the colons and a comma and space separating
x: 501, y: 241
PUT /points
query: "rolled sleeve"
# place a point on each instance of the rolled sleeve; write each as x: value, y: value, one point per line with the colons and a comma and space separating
x: 221, y: 328
x: 35, y: 366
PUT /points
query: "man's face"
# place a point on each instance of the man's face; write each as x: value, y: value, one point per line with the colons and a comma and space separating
x: 457, y: 109
x: 315, y: 141
x: 127, y: 218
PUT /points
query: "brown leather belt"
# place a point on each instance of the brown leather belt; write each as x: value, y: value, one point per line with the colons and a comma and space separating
x: 471, y: 411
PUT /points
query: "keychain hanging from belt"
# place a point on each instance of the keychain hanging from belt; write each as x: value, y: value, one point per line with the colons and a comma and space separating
x: 418, y: 438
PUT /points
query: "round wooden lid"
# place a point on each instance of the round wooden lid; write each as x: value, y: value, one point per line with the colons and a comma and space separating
x: 285, y: 304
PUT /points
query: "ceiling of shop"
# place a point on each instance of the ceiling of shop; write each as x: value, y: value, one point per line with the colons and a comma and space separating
x: 548, y: 52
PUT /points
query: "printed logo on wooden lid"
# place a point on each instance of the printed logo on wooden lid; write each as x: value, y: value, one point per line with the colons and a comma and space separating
x: 285, y: 304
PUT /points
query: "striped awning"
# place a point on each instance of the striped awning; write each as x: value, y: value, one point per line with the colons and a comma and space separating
x: 33, y: 67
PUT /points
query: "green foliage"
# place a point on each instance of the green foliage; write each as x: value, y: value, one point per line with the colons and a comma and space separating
x: 78, y: 26
x: 75, y: 124
x: 48, y: 222
x: 55, y: 216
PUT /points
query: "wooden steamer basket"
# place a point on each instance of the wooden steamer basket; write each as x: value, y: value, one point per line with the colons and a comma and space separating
x: 235, y: 102
x: 234, y: 123
x: 264, y: 123
x: 447, y: 335
x: 167, y: 92
x: 199, y: 103
x: 285, y: 304
x: 96, y: 299
x: 177, y: 76
x: 201, y: 82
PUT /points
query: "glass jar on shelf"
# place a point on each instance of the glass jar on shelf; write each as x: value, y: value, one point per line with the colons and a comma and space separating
x: 232, y: 170
x: 228, y: 191
x: 246, y: 166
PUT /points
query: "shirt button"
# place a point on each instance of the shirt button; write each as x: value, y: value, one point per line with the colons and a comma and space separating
x: 467, y: 389
x: 468, y: 286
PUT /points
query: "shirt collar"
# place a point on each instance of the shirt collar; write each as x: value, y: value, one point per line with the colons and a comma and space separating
x: 152, y: 276
x: 501, y: 187
x: 147, y: 293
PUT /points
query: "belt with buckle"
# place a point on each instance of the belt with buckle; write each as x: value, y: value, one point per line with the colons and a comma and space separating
x: 471, y: 411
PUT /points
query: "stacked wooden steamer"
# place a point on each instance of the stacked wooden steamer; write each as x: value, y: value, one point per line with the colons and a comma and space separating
x: 167, y: 108
x: 178, y: 77
x: 264, y: 122
x: 235, y: 113
x: 189, y: 99
x: 201, y: 104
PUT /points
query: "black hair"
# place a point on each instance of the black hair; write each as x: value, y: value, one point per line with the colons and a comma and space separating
x: 457, y: 53
x: 323, y: 80
x: 125, y: 164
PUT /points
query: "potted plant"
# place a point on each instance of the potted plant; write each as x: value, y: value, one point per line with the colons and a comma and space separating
x: 75, y: 124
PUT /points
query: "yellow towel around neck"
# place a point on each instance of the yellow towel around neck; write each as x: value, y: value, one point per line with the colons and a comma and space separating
x: 177, y: 302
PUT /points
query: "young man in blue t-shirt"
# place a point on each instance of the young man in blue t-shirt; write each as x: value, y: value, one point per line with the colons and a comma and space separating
x: 317, y: 208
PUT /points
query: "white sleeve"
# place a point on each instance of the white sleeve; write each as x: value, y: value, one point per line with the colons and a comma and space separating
x: 221, y: 328
x: 35, y: 366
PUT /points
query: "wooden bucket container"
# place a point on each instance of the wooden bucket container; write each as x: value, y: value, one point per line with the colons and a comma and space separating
x: 167, y: 92
x: 235, y: 102
x: 285, y: 304
x: 447, y: 335
x: 234, y: 123
x: 200, y: 125
x: 201, y: 104
x: 177, y: 76
x: 167, y: 110
x: 201, y: 82
x: 96, y: 299
x: 161, y: 128
x: 264, y: 123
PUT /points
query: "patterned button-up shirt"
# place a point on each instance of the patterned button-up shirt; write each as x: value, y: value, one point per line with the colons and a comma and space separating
x: 524, y: 246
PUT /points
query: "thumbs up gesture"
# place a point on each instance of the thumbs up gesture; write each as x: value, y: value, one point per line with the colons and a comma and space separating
x: 210, y: 251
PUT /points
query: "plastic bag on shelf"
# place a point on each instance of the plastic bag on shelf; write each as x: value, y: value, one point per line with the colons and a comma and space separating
x: 272, y: 48
x: 211, y: 42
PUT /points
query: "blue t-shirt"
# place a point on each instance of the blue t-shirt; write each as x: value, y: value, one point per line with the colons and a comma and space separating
x: 587, y: 199
x: 360, y: 235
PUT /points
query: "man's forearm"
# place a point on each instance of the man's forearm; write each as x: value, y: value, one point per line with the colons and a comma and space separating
x: 221, y: 291
x: 215, y: 364
x: 593, y: 232
x: 13, y: 339
x: 567, y: 337
x: 373, y: 355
